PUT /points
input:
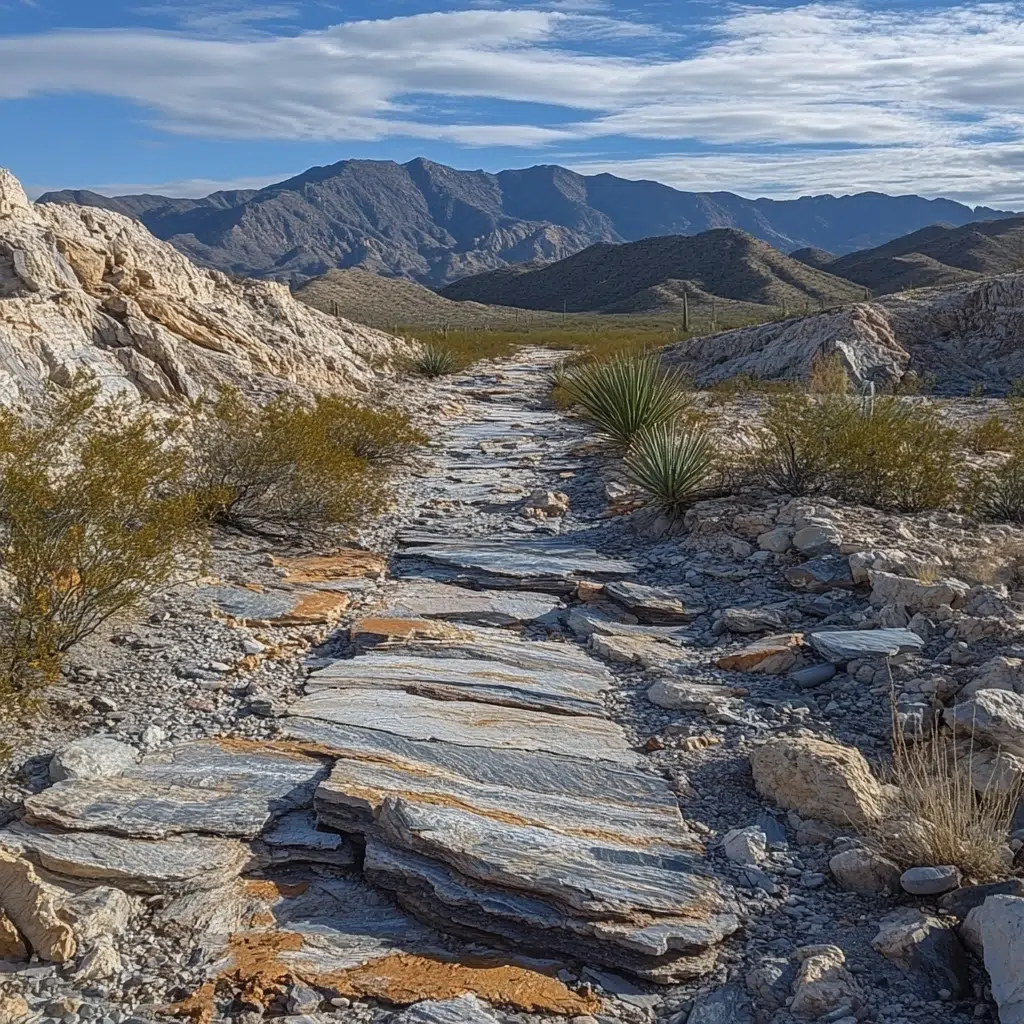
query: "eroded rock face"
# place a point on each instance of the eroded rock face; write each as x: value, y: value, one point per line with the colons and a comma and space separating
x: 30, y: 906
x: 995, y: 717
x: 88, y: 289
x: 947, y: 331
x: 818, y: 779
x: 1002, y: 935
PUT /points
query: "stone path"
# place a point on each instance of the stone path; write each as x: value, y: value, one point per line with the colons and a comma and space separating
x: 460, y: 761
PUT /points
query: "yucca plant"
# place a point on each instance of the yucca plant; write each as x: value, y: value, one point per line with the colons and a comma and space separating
x: 626, y: 395
x: 671, y: 464
x: 434, y: 361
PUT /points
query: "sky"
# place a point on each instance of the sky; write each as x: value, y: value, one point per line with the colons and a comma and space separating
x: 764, y: 98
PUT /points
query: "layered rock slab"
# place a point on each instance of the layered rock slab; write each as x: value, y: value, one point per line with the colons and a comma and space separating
x: 429, y: 600
x: 548, y: 564
x: 550, y: 689
x: 467, y: 723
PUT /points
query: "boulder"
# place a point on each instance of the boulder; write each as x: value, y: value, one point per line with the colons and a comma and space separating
x: 927, y: 948
x: 864, y: 871
x: 995, y: 717
x: 680, y: 696
x: 772, y: 655
x: 845, y: 645
x: 657, y: 607
x: 823, y: 983
x: 915, y: 596
x: 101, y: 912
x: 31, y: 907
x: 746, y: 845
x: 93, y: 757
x: 13, y: 1009
x: 999, y: 673
x: 12, y: 945
x: 817, y: 539
x: 548, y: 503
x: 821, y: 575
x: 751, y: 620
x: 1002, y: 935
x: 931, y: 881
x: 818, y: 779
x: 779, y: 540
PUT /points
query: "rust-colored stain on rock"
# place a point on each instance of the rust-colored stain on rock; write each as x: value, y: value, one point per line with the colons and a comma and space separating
x: 319, y: 608
x: 350, y: 563
x: 266, y: 889
x: 773, y: 654
x: 403, y: 978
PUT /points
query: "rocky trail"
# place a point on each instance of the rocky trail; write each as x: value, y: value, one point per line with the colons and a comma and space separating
x: 547, y: 755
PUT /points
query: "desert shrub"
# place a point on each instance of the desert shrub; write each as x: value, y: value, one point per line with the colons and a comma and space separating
x: 626, y: 395
x: 997, y: 494
x: 743, y: 384
x: 671, y: 464
x: 1016, y: 389
x: 435, y: 361
x: 937, y: 817
x: 977, y: 389
x: 901, y: 457
x: 828, y: 376
x: 914, y: 383
x: 991, y: 435
x: 94, y: 519
x: 285, y: 467
x: 382, y: 437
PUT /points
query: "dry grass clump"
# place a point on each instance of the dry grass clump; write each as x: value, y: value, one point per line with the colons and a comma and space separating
x: 900, y: 457
x: 937, y: 817
x: 94, y: 518
x: 293, y: 467
x: 828, y: 376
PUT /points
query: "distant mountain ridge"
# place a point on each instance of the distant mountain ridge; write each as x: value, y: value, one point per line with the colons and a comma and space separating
x: 932, y: 257
x: 654, y: 274
x: 435, y: 224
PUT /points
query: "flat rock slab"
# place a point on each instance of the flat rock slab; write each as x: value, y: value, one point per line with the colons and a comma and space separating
x: 663, y: 949
x: 584, y: 622
x: 278, y: 607
x: 147, y: 810
x: 273, y: 770
x: 468, y: 679
x: 772, y: 655
x: 178, y: 864
x: 846, y: 645
x: 429, y: 600
x: 574, y: 872
x: 657, y: 607
x: 544, y: 774
x: 295, y: 839
x: 549, y: 564
x: 651, y: 652
x: 468, y: 723
x: 350, y: 563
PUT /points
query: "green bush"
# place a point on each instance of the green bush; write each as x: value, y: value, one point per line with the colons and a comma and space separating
x: 626, y: 395
x: 286, y: 467
x: 94, y: 519
x: 998, y: 494
x: 991, y: 435
x: 382, y: 437
x: 902, y: 457
x: 671, y: 464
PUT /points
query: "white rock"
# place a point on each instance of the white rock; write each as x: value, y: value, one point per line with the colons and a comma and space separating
x: 94, y: 290
x: 995, y: 717
x: 93, y: 757
x: 153, y: 736
x: 746, y: 845
x: 1002, y: 935
x: 915, y: 596
x: 103, y: 962
x: 999, y: 673
x: 823, y: 984
x: 779, y: 540
x: 101, y: 912
x: 864, y: 871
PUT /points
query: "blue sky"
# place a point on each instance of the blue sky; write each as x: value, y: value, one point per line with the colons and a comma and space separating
x: 762, y: 98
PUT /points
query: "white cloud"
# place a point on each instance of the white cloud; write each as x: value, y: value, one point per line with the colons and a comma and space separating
x: 181, y: 188
x: 816, y: 96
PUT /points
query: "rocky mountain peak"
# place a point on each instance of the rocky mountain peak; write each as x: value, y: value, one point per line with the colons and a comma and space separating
x: 12, y: 195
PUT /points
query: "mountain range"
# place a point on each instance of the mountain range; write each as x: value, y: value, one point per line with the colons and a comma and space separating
x: 434, y: 224
x: 654, y: 274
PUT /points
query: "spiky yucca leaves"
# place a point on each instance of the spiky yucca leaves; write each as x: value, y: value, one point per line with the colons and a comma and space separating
x: 435, y: 361
x: 671, y: 464
x: 626, y: 395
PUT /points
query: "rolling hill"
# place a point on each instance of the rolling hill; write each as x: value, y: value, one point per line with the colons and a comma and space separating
x: 435, y: 224
x: 935, y: 256
x: 654, y: 274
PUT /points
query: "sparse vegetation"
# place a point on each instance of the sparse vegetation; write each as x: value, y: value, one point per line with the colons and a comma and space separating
x: 94, y: 518
x: 671, y: 464
x: 435, y: 361
x: 998, y: 494
x: 626, y: 395
x: 991, y: 435
x: 288, y: 466
x: 936, y: 816
x: 902, y: 457
x: 828, y: 376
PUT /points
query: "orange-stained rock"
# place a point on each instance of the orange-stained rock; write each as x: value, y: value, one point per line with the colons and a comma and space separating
x: 373, y: 629
x: 773, y: 654
x: 351, y: 563
x: 322, y: 607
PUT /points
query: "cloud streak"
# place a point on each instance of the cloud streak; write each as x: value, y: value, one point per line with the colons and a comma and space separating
x: 820, y: 95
